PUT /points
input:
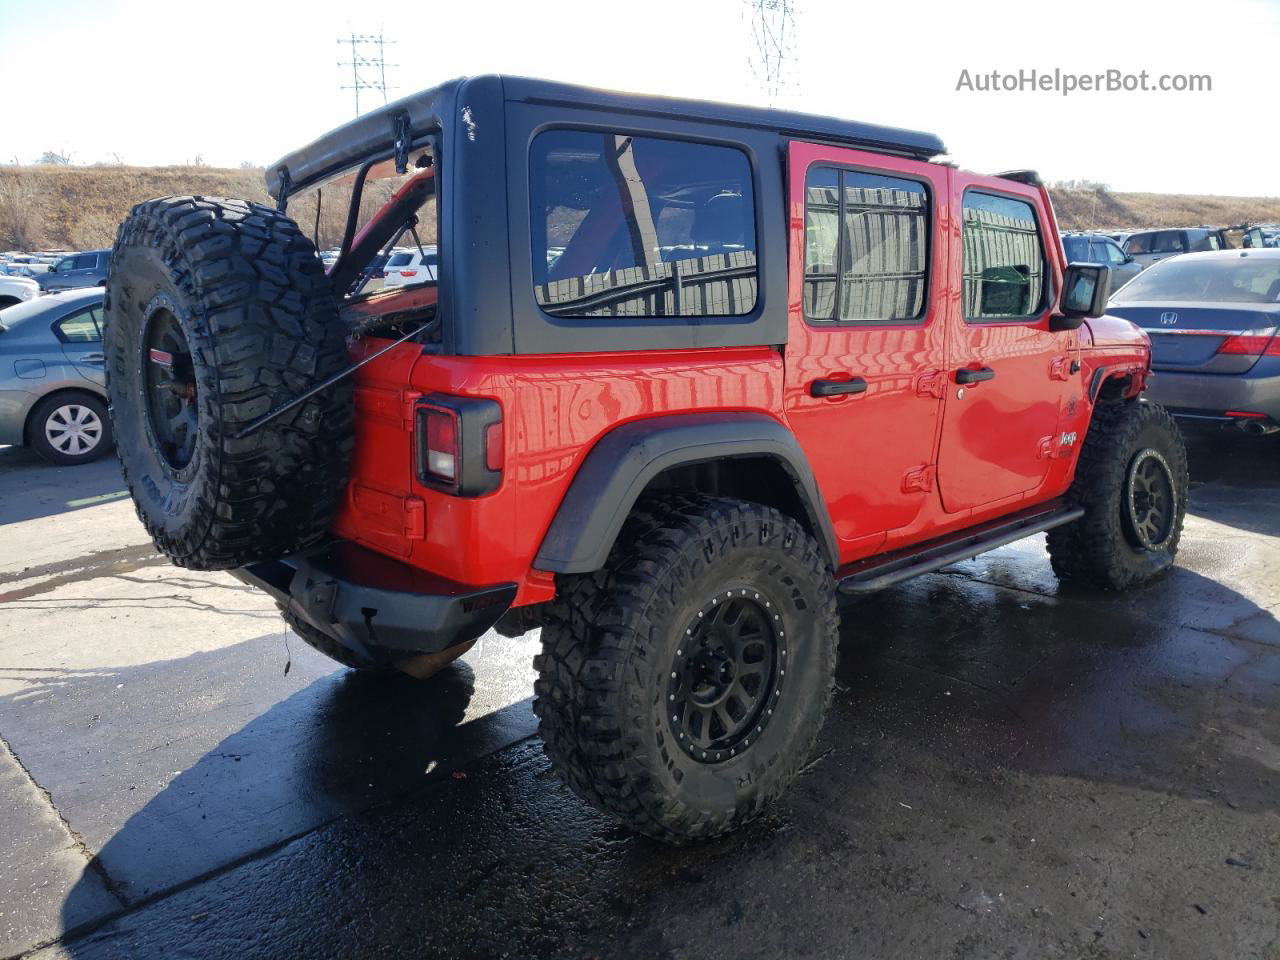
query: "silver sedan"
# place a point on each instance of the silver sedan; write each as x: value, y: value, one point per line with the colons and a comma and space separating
x: 52, y: 393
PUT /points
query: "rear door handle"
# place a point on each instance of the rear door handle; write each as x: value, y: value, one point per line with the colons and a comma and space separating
x: 965, y: 375
x: 836, y: 388
x: 93, y: 358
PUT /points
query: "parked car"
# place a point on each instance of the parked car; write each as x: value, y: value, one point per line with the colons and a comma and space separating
x: 1098, y: 248
x: 1151, y: 246
x: 16, y: 290
x: 88, y: 269
x: 1213, y: 320
x: 52, y: 390
x: 778, y: 357
x: 410, y: 266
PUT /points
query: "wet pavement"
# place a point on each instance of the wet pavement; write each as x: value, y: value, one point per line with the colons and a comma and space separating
x: 1010, y: 768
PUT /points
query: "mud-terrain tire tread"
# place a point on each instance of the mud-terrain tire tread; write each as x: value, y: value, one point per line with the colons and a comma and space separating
x: 1094, y: 550
x: 590, y: 638
x: 263, y: 323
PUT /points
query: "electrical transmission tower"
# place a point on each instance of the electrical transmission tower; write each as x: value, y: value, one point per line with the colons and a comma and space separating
x: 368, y: 64
x: 773, y: 30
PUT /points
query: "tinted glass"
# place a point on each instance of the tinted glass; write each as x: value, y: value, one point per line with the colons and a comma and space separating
x: 1233, y: 280
x: 1003, y: 258
x: 400, y: 259
x: 84, y: 261
x: 640, y: 227
x: 83, y: 327
x: 1168, y: 241
x: 872, y: 231
x: 1076, y: 248
x: 1138, y: 244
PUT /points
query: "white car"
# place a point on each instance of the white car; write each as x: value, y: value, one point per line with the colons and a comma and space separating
x: 404, y: 267
x: 17, y: 290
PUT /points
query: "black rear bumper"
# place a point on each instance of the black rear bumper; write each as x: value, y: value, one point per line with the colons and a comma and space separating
x: 376, y: 605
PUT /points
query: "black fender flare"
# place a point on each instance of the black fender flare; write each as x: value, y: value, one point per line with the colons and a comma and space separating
x: 628, y: 457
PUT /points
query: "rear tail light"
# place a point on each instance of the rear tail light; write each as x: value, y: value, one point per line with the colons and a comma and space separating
x: 408, y: 273
x: 460, y: 444
x: 1251, y: 345
x: 441, y: 449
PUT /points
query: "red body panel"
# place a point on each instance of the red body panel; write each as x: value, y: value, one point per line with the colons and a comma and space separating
x: 908, y: 460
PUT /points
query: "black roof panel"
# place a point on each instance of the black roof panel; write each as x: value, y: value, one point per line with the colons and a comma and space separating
x: 369, y: 135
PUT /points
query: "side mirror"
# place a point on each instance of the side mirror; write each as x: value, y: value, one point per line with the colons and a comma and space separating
x: 1128, y: 258
x: 1086, y: 288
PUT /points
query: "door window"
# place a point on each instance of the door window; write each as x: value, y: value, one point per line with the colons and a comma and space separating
x: 641, y: 226
x: 83, y: 261
x: 1003, y: 258
x: 866, y: 247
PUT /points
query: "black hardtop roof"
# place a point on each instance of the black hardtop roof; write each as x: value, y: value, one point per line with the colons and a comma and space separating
x: 370, y: 135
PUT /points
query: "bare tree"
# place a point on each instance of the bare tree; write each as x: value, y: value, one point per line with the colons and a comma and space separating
x: 54, y: 159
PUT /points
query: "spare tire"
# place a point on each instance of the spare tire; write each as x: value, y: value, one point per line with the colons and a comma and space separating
x: 218, y: 311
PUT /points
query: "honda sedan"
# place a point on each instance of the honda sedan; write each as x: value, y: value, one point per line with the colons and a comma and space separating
x: 1213, y: 320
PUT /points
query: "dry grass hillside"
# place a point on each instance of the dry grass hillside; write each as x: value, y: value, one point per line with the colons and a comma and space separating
x: 66, y: 207
x: 1086, y: 210
x: 70, y: 208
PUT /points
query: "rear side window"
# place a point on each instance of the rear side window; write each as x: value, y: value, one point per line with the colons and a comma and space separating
x: 1168, y: 241
x: 1139, y: 244
x: 1076, y: 249
x: 82, y: 327
x: 866, y: 246
x: 84, y: 261
x: 1003, y: 258
x: 640, y: 227
x: 400, y: 260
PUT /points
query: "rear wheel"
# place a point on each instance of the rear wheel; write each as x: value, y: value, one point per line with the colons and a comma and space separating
x: 69, y: 428
x: 1132, y: 481
x: 682, y: 688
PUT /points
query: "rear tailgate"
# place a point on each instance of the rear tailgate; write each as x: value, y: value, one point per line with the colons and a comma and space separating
x: 1206, y: 338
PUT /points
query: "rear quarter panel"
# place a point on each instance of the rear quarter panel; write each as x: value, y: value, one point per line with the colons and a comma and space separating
x: 555, y: 408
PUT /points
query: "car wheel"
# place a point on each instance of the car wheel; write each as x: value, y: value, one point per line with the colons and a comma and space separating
x: 681, y: 689
x: 70, y: 428
x: 1132, y: 482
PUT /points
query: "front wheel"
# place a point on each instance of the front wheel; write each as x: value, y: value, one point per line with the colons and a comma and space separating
x: 682, y: 688
x: 1132, y: 482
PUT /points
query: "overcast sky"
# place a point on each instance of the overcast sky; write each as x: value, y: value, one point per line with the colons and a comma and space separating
x: 163, y: 82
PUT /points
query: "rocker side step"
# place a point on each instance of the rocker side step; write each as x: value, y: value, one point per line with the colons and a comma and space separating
x: 876, y: 573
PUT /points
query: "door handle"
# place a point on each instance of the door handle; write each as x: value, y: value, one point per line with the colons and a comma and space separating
x: 93, y: 358
x: 836, y: 388
x: 965, y: 375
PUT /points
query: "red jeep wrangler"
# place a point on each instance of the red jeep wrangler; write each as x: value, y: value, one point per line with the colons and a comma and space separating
x: 688, y: 371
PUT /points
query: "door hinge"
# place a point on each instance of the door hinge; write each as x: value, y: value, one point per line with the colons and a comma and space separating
x: 931, y: 384
x: 410, y: 400
x: 919, y: 479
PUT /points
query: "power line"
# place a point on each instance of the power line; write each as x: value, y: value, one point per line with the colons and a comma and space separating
x: 368, y: 64
x: 773, y: 31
